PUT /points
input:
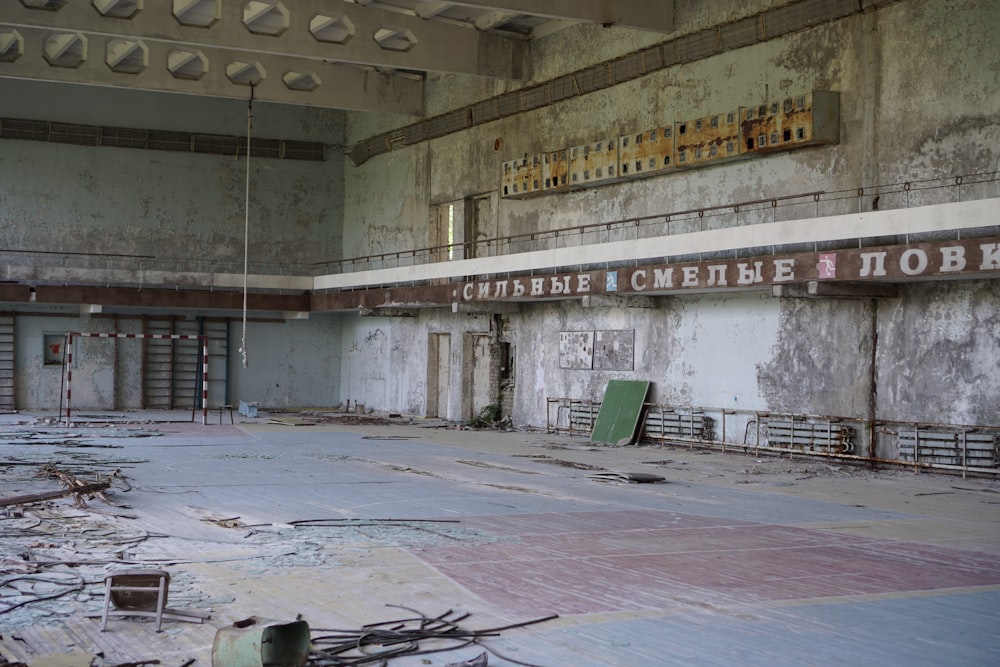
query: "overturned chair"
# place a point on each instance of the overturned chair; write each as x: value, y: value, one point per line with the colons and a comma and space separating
x: 142, y: 593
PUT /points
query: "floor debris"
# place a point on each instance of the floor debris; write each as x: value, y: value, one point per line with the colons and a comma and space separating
x: 85, y: 489
x: 627, y: 477
x: 291, y: 421
x: 376, y: 643
x: 542, y: 458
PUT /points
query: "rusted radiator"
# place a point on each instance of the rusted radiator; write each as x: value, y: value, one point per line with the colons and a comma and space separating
x: 958, y: 447
x: 667, y: 423
x: 808, y: 435
x: 572, y: 415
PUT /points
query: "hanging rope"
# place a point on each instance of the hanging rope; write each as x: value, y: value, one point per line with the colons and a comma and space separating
x: 246, y: 233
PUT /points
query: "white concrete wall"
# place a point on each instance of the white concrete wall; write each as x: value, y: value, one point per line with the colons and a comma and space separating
x: 384, y: 360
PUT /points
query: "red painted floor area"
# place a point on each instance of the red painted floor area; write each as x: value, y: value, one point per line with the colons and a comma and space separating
x: 591, y: 562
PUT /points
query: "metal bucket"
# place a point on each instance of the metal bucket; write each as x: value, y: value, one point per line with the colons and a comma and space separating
x: 258, y: 642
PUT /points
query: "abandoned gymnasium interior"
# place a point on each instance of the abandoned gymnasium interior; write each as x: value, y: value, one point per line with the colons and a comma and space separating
x: 507, y: 332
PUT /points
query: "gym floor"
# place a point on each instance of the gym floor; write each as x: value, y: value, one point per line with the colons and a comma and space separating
x: 731, y: 559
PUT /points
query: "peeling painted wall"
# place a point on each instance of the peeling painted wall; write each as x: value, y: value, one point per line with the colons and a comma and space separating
x: 291, y: 364
x: 177, y: 207
x: 185, y: 210
x: 385, y: 359
x: 939, y: 354
x: 820, y: 362
x: 919, y: 85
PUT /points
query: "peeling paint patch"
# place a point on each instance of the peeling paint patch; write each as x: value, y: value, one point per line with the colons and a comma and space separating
x: 938, y: 358
x: 820, y: 362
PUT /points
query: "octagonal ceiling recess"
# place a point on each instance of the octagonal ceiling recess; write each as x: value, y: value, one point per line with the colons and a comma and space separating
x: 366, y: 55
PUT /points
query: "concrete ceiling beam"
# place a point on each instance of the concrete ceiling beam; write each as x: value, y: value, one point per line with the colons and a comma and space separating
x: 619, y: 301
x: 437, y: 46
x: 431, y: 8
x: 653, y: 15
x: 98, y: 298
x: 339, y: 86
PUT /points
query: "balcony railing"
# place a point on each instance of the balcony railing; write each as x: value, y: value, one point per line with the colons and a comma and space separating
x: 49, y: 266
x: 807, y: 205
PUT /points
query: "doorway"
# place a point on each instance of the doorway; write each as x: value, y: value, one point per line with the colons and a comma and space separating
x: 438, y: 375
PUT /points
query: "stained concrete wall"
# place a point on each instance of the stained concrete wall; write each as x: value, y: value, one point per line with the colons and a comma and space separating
x: 911, y: 108
x: 384, y: 360
x: 919, y: 99
x: 187, y: 211
x: 939, y: 354
x: 290, y: 364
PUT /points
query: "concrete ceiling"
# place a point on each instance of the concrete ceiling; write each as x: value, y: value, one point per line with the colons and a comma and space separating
x: 363, y: 55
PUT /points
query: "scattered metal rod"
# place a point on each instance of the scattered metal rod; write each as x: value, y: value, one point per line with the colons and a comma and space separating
x: 234, y: 522
x: 320, y: 522
x: 78, y: 586
x: 379, y: 642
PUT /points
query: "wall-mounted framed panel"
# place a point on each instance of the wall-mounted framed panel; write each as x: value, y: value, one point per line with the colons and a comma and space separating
x: 593, y: 164
x: 647, y: 153
x: 809, y: 119
x: 555, y: 171
x: 576, y: 350
x: 614, y: 350
x: 812, y: 119
x: 522, y: 177
x: 707, y: 140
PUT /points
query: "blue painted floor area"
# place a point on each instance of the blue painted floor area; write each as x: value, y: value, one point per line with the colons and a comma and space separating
x: 400, y: 467
x: 930, y: 630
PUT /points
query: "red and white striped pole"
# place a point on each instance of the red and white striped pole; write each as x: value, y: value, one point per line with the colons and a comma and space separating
x: 204, y: 380
x: 68, y: 342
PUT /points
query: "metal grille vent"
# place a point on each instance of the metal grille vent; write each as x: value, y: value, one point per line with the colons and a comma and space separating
x: 216, y: 144
x: 123, y: 137
x: 30, y: 130
x: 81, y: 135
x: 304, y: 150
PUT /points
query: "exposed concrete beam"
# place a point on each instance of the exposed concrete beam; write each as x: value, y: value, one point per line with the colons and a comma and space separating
x: 655, y: 15
x: 340, y: 87
x: 550, y: 27
x: 168, y: 298
x: 814, y: 289
x: 386, y: 312
x: 437, y: 46
x: 932, y: 218
x: 493, y: 19
x: 391, y: 297
x: 616, y: 301
x: 487, y: 308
